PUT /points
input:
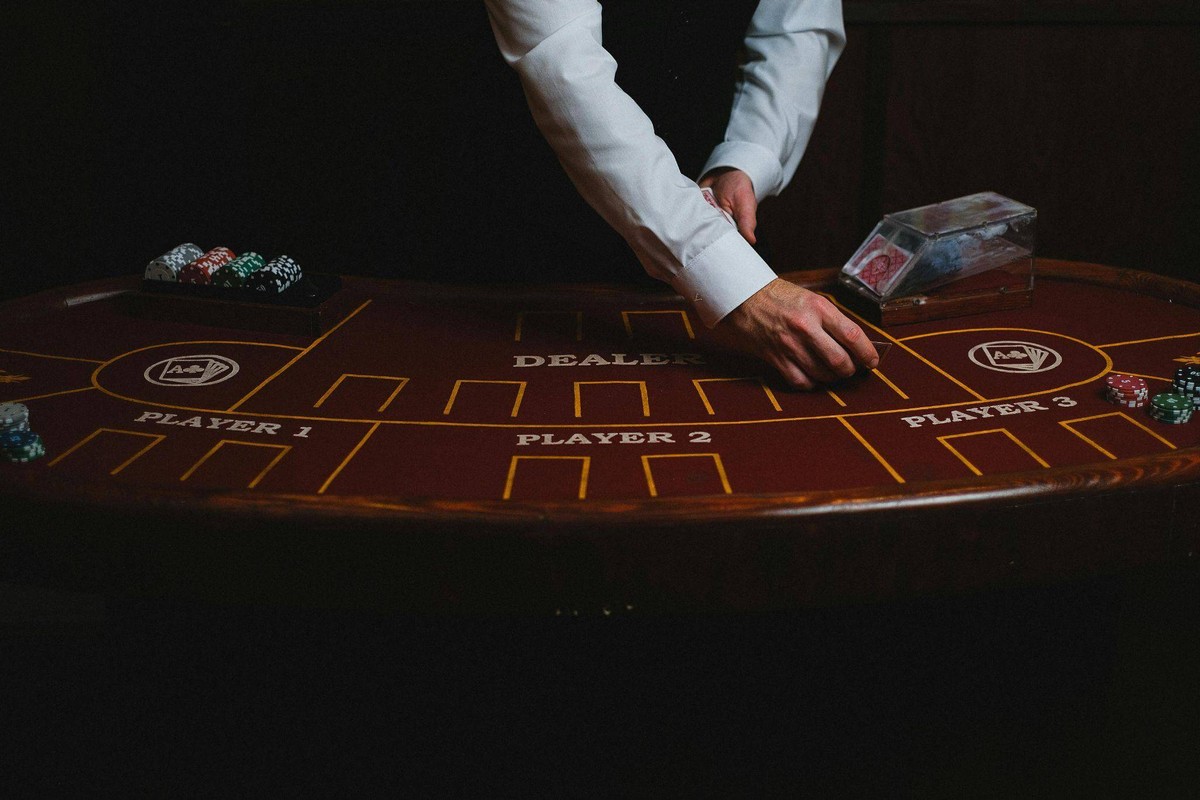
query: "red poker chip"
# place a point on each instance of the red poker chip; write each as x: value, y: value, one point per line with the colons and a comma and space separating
x: 1134, y: 399
x: 1126, y: 390
x: 1120, y: 379
x: 189, y: 275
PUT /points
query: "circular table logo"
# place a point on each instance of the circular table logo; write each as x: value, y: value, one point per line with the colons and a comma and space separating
x: 191, y: 371
x: 1015, y: 357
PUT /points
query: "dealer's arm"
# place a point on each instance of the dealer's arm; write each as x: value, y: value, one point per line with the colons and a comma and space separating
x: 610, y: 151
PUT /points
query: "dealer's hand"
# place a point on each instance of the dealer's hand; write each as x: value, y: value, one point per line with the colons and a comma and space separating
x: 801, y: 334
x: 734, y: 192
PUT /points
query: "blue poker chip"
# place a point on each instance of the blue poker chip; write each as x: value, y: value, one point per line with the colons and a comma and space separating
x: 14, y: 439
x: 21, y: 447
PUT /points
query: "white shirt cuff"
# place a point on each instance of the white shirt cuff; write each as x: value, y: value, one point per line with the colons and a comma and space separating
x: 722, y: 277
x: 758, y: 162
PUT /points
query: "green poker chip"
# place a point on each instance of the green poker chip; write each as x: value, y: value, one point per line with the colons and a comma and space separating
x: 1169, y: 401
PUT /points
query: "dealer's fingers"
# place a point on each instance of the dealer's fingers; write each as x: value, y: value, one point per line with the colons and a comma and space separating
x: 791, y: 372
x: 850, y: 340
x: 811, y: 352
x: 745, y: 217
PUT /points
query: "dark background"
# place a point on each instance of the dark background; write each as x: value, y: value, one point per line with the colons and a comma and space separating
x: 388, y: 138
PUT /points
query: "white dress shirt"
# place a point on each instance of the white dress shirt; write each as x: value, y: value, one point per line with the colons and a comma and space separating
x: 610, y: 151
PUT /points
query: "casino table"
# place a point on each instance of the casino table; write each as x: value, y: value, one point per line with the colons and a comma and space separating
x: 588, y: 450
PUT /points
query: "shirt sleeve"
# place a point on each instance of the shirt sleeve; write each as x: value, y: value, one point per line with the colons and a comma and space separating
x: 609, y: 150
x: 791, y: 49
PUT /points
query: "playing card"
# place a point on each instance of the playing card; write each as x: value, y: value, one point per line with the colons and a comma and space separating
x: 711, y: 199
x: 878, y: 264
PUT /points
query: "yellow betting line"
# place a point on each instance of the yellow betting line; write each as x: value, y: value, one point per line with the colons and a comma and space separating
x: 563, y: 426
x: 349, y: 457
x: 297, y: 357
x: 47, y: 355
x: 899, y: 343
x: 878, y: 457
x: 1147, y: 341
x: 945, y: 440
x: 893, y: 386
x: 52, y: 394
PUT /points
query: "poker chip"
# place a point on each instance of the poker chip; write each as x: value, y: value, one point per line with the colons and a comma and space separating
x: 221, y: 268
x: 167, y: 266
x: 14, y: 437
x: 201, y: 270
x: 12, y: 414
x: 18, y: 444
x: 1171, y: 408
x: 234, y: 273
x: 1129, y: 391
x: 21, y: 446
x: 1187, y: 383
x: 276, y: 276
x: 14, y: 420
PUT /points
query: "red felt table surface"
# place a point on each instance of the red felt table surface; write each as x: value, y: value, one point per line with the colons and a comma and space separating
x: 533, y: 414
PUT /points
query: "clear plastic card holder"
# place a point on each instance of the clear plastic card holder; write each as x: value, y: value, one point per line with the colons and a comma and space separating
x: 912, y: 252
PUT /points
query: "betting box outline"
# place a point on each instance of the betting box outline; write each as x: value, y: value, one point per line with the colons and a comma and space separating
x: 976, y: 397
x: 375, y: 424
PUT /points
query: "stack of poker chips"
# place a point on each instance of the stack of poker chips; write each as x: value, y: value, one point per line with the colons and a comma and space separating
x: 276, y: 276
x: 234, y: 273
x: 220, y: 267
x: 1126, y: 390
x: 1187, y: 383
x: 1174, y: 409
x: 167, y: 266
x: 18, y: 443
x: 201, y: 270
